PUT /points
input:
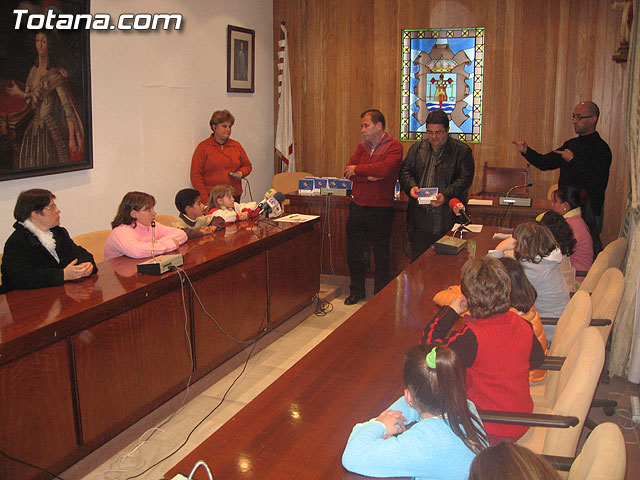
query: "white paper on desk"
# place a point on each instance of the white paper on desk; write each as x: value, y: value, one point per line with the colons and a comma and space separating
x: 296, y: 218
x: 479, y: 201
x: 501, y: 236
x: 474, y: 227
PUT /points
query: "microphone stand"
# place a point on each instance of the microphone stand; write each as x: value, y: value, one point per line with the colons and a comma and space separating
x: 153, y: 241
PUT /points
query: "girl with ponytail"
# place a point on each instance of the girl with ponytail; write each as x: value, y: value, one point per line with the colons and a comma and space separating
x: 431, y: 432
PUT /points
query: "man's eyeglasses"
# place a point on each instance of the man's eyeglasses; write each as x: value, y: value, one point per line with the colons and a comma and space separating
x: 577, y: 116
x: 53, y: 206
x: 437, y: 133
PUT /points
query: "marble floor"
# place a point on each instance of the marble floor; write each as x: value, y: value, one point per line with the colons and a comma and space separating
x: 167, y: 428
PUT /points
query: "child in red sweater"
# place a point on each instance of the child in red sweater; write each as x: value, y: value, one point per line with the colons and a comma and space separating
x: 497, y: 347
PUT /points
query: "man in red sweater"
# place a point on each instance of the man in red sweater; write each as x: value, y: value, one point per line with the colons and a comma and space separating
x: 373, y: 168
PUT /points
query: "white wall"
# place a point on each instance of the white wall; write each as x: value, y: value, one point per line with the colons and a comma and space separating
x: 153, y: 94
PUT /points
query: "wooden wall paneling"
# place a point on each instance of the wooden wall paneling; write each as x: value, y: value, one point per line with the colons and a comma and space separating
x: 385, y: 36
x: 611, y: 88
x: 37, y: 413
x: 294, y: 276
x: 127, y: 365
x: 542, y: 57
x: 236, y: 297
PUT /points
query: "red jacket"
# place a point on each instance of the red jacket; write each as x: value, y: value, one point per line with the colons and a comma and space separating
x: 211, y: 164
x: 383, y: 162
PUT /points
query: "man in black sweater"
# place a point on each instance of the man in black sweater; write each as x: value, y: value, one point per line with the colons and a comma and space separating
x: 583, y: 161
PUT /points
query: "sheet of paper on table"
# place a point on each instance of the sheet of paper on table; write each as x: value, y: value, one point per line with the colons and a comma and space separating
x: 479, y: 201
x: 474, y: 227
x: 296, y: 218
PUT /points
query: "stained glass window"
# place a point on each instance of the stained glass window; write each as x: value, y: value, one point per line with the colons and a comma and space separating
x: 442, y: 68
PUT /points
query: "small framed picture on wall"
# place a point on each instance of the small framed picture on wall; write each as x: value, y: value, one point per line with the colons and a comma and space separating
x: 241, y: 59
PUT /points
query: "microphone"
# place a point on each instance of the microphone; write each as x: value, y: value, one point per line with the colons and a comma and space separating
x: 460, y: 210
x: 268, y: 194
x: 153, y: 240
x: 518, y: 186
x: 272, y: 203
x: 163, y: 263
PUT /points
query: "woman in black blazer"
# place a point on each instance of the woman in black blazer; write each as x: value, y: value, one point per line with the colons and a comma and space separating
x: 40, y: 253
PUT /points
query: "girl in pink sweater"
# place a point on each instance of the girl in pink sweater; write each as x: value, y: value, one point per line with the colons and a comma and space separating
x: 133, y: 231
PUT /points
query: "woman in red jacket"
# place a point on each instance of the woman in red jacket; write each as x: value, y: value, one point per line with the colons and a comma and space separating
x: 219, y: 160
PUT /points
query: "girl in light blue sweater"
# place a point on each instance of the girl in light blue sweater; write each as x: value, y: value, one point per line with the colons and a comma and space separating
x: 432, y: 432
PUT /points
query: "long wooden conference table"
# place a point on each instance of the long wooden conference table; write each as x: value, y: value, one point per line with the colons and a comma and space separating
x: 297, y: 428
x: 81, y: 362
x: 335, y: 211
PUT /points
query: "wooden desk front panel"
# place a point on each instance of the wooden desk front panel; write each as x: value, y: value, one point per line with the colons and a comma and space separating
x: 334, y: 212
x: 126, y: 365
x: 236, y: 297
x: 37, y: 398
x: 294, y: 276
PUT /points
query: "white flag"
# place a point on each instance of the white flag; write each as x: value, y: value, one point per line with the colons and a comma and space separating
x: 284, y: 127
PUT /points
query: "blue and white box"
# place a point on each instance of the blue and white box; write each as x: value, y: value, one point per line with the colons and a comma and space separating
x: 305, y: 186
x: 427, y: 195
x: 341, y: 183
x: 319, y: 183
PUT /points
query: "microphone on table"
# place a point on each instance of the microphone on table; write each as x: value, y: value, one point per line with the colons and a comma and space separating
x: 272, y: 203
x: 460, y: 210
x: 528, y: 185
x: 163, y: 263
x: 268, y: 194
x: 511, y: 201
x: 153, y: 240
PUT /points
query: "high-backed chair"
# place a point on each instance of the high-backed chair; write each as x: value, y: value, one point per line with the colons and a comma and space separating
x: 600, y: 264
x: 166, y: 220
x: 617, y: 251
x: 575, y: 318
x: 606, y: 298
x: 552, y: 189
x: 498, y: 181
x: 94, y: 243
x: 571, y: 399
x: 287, y: 182
x: 603, y: 455
x: 1, y: 264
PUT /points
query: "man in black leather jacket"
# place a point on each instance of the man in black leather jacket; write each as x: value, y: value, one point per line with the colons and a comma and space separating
x: 442, y: 162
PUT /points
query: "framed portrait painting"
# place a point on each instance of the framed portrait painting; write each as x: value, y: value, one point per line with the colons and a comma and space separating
x: 45, y: 94
x: 241, y: 59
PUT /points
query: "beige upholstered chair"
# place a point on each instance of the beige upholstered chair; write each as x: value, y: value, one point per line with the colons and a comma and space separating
x: 93, y: 242
x: 552, y: 189
x: 575, y: 318
x: 166, y: 220
x: 606, y: 298
x: 603, y: 455
x: 576, y: 385
x: 617, y: 251
x: 287, y: 182
x: 600, y: 264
